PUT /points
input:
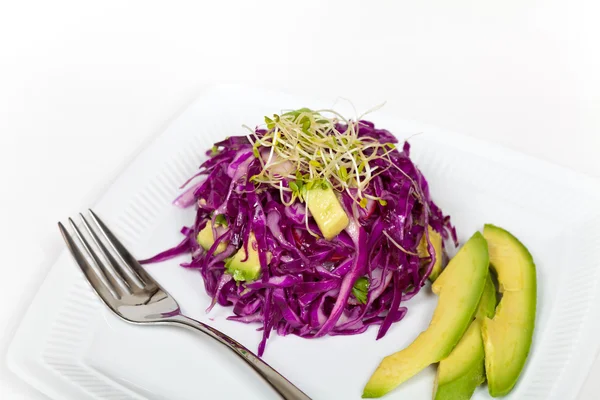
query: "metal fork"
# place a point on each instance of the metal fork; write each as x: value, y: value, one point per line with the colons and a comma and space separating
x: 132, y: 294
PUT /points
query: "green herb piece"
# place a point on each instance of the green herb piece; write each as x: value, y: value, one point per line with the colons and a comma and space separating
x: 361, y: 289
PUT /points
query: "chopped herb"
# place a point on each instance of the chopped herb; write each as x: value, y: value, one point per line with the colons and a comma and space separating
x: 361, y: 289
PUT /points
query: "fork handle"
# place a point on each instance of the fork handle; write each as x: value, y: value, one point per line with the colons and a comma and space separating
x: 280, y: 384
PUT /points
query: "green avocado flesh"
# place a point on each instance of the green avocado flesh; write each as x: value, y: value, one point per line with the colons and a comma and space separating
x: 460, y: 287
x: 507, y: 337
x: 462, y: 371
x: 327, y: 211
x: 205, y: 239
x: 436, y: 241
x: 487, y: 305
x: 248, y: 270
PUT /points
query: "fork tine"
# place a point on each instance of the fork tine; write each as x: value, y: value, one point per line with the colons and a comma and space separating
x: 98, y: 282
x: 131, y: 264
x: 122, y: 278
x: 100, y: 266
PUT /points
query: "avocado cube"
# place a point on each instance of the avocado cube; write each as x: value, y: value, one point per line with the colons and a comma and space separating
x: 437, y: 242
x: 327, y: 211
x: 248, y: 270
x: 205, y: 239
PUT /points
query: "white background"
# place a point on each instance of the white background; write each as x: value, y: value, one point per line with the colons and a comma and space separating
x: 84, y: 84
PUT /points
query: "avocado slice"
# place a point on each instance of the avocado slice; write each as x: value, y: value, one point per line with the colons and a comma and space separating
x: 487, y: 305
x: 327, y: 211
x: 460, y: 287
x: 248, y: 270
x: 436, y: 241
x: 205, y: 239
x: 467, y: 359
x: 462, y: 371
x: 507, y: 337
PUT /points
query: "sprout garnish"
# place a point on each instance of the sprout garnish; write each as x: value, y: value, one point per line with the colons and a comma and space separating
x: 303, y: 149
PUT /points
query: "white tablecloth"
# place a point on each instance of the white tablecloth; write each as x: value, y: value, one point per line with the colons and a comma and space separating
x: 83, y: 85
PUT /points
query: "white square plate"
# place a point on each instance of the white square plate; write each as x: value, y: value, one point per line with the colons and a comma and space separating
x: 70, y: 347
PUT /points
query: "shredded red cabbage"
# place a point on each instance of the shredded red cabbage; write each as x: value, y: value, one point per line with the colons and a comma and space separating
x: 306, y: 288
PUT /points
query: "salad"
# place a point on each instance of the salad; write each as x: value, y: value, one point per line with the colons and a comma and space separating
x: 312, y: 225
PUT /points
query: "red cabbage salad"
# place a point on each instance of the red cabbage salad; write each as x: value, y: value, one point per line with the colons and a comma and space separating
x: 310, y: 225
